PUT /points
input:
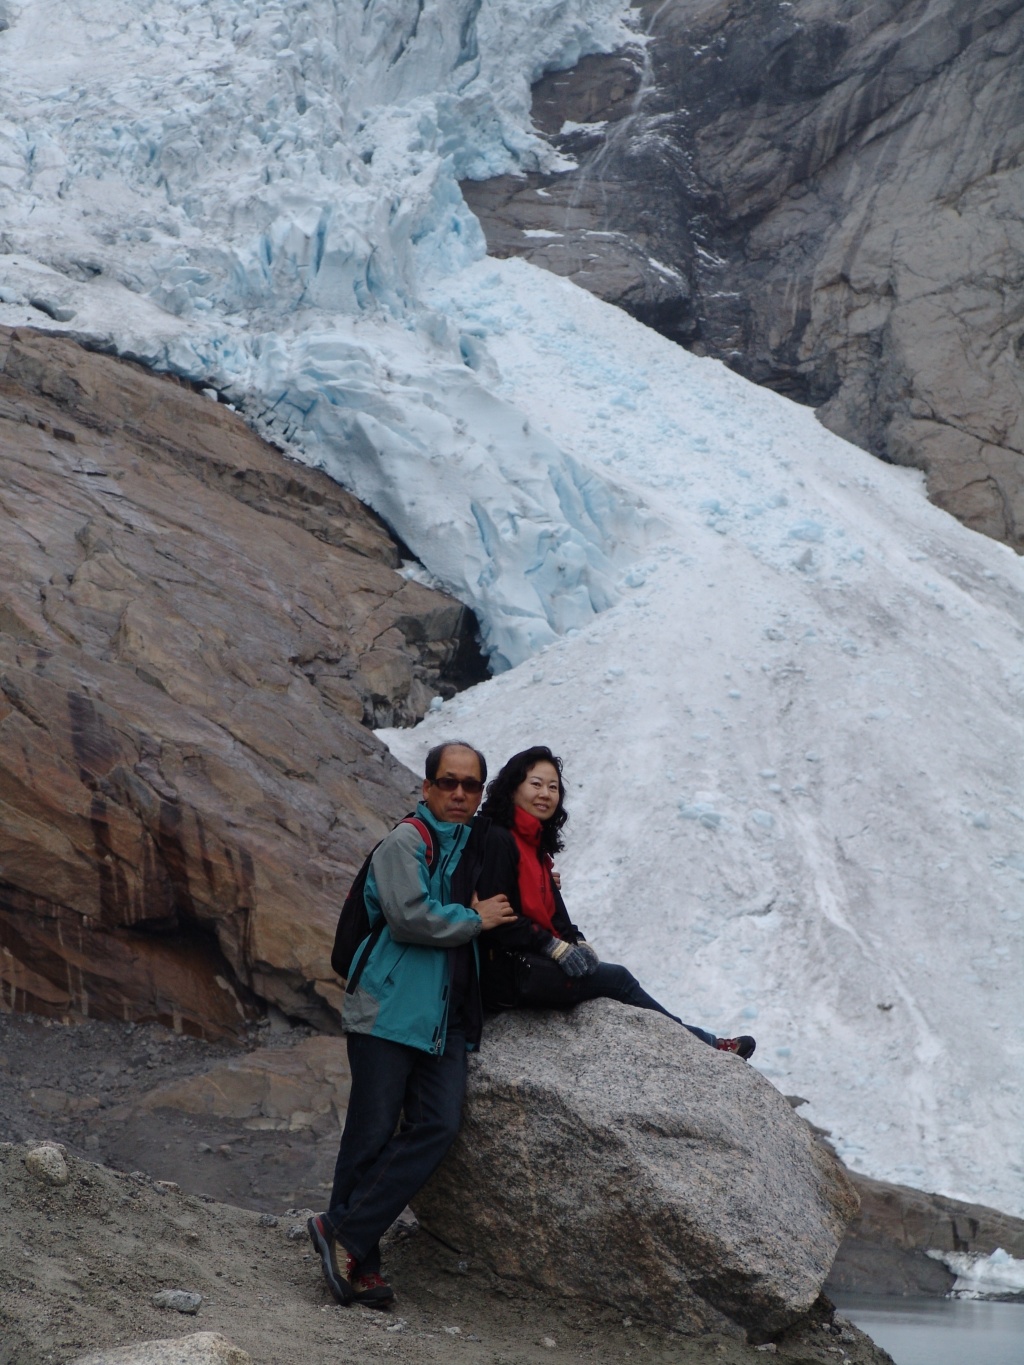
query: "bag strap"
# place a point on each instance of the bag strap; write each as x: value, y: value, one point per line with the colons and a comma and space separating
x: 371, y: 941
x: 426, y: 835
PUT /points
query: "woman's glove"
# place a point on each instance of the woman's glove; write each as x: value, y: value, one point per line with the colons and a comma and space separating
x: 575, y: 959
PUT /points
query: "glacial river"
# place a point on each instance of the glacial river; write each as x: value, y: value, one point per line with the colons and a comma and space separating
x: 940, y: 1331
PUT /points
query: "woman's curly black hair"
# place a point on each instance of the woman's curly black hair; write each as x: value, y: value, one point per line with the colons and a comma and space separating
x: 500, y: 806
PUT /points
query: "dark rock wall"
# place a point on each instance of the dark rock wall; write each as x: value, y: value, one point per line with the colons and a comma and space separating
x: 830, y: 197
x: 886, y: 1245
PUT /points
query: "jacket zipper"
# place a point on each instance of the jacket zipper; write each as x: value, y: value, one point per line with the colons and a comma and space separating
x: 442, y: 1037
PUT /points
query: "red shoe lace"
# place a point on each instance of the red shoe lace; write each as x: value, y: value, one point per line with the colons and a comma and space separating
x: 373, y: 1280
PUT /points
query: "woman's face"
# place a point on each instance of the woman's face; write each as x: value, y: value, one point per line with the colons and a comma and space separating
x: 539, y: 791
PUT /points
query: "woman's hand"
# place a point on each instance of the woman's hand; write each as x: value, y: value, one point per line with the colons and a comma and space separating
x: 593, y: 961
x: 556, y: 877
x: 575, y: 959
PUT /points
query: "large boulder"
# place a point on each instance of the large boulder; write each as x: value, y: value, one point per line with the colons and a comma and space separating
x: 607, y: 1154
x: 830, y: 197
x: 194, y: 634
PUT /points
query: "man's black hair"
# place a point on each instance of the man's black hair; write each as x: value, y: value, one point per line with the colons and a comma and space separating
x: 433, y: 761
x: 500, y: 805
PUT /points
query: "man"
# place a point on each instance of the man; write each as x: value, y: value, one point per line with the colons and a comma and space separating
x: 411, y: 1016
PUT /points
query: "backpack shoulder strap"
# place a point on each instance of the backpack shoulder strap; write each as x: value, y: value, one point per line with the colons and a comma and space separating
x: 426, y: 835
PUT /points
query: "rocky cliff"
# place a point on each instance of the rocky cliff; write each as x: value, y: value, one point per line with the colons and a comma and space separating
x: 830, y: 197
x: 194, y: 632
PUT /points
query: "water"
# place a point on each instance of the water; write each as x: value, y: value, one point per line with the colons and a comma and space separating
x: 940, y: 1331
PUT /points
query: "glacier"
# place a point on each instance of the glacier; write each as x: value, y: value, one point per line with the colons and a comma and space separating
x: 255, y: 196
x: 787, y: 689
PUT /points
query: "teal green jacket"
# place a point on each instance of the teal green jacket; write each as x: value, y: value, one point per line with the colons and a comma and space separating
x: 402, y: 993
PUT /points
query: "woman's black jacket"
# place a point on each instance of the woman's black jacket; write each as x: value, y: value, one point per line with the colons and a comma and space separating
x: 499, y: 947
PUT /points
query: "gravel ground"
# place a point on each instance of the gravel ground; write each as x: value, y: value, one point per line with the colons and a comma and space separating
x: 81, y: 1262
x: 80, y: 1083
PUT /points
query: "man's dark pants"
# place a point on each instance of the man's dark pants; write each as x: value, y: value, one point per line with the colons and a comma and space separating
x: 378, y: 1169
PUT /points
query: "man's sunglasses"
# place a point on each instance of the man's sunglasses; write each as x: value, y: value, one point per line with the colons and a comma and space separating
x: 472, y: 786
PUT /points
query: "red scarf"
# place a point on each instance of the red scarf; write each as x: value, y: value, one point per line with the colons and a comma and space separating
x: 536, y: 894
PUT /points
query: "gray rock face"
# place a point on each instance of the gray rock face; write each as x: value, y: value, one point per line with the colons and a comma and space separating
x: 886, y: 1248
x: 828, y: 196
x: 606, y: 1128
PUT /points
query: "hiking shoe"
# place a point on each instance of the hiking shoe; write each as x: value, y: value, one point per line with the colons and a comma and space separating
x: 743, y: 1046
x: 372, y: 1289
x: 338, y: 1282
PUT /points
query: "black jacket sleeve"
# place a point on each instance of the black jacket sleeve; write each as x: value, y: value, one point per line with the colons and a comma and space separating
x: 500, y: 875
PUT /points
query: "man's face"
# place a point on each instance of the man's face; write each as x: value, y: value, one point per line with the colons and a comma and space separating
x: 457, y: 765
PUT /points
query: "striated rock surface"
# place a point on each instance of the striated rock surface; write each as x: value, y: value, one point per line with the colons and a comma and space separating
x: 193, y: 632
x: 828, y: 196
x: 606, y: 1154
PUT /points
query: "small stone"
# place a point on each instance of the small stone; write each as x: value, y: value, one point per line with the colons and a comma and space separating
x: 180, y: 1300
x: 549, y: 1342
x: 769, y: 1346
x: 267, y: 1220
x: 297, y: 1232
x: 454, y: 1331
x: 166, y: 1186
x: 48, y: 1165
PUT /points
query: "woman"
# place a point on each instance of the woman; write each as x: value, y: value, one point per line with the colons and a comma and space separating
x: 542, y: 958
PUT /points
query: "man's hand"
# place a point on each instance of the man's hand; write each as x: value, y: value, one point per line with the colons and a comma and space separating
x: 494, y: 911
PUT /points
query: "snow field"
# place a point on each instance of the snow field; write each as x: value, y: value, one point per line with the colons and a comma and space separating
x: 793, y: 748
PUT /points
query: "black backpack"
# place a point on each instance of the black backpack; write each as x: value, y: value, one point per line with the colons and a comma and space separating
x: 354, y: 922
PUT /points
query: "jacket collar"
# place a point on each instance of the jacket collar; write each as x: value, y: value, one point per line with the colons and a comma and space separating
x: 449, y: 834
